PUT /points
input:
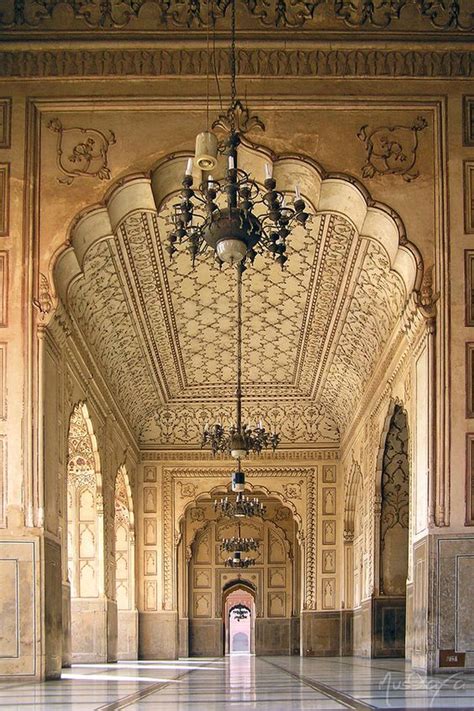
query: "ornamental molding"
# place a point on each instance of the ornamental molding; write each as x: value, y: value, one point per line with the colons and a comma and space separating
x: 421, y: 63
x: 281, y: 456
x: 435, y: 16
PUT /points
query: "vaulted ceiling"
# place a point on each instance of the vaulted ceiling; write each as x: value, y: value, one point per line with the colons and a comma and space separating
x: 163, y: 333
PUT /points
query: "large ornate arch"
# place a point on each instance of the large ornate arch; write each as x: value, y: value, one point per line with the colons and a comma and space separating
x: 125, y: 226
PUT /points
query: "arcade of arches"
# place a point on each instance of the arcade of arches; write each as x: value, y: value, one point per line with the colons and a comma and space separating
x: 112, y: 358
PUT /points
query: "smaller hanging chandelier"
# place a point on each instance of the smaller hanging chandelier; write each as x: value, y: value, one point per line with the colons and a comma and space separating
x: 236, y: 561
x: 239, y: 443
x: 240, y: 507
x: 240, y: 612
x: 238, y: 543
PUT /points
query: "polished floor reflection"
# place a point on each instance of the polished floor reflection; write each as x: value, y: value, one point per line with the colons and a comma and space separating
x: 244, y: 682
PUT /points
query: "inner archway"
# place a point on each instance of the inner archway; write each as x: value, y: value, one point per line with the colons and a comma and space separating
x: 238, y: 604
x: 270, y: 582
x: 394, y: 538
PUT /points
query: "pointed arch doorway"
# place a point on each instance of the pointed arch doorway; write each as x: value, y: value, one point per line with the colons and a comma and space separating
x: 238, y: 607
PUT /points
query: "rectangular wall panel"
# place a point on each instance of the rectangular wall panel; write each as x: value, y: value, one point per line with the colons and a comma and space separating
x: 3, y: 289
x: 19, y: 583
x: 421, y: 443
x: 465, y: 628
x: 9, y: 622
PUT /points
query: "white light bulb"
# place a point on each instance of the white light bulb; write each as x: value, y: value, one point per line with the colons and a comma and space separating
x: 189, y: 167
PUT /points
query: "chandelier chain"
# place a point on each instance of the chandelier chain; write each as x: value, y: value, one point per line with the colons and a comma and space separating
x: 233, y: 71
x: 238, y: 392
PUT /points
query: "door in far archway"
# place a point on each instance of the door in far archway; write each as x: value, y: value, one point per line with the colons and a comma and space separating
x: 238, y: 604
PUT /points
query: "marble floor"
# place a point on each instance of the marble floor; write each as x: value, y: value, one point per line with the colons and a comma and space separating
x: 243, y: 683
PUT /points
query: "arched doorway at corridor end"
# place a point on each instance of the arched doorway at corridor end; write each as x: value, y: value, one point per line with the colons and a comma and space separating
x: 238, y: 607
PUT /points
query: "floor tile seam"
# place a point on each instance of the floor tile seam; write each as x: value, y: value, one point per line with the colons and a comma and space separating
x: 329, y: 691
x: 151, y: 689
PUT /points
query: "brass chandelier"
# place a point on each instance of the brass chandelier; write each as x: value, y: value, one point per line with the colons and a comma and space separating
x: 237, y: 545
x: 236, y: 216
x: 236, y: 561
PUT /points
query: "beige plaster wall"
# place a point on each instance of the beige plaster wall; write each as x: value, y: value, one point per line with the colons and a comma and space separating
x: 36, y: 375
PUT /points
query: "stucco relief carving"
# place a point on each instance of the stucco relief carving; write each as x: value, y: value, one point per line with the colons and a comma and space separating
x: 378, y: 15
x: 81, y: 152
x: 283, y: 62
x: 364, y: 332
x: 296, y: 422
x: 392, y: 150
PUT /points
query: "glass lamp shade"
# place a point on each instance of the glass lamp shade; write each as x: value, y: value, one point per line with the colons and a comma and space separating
x: 238, y: 481
x: 231, y: 250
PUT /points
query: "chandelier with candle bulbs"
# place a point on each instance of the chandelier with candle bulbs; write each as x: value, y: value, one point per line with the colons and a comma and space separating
x: 237, y: 216
x: 237, y: 545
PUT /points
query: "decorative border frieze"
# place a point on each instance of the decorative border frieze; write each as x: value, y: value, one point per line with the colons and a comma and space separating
x: 280, y: 457
x: 253, y: 62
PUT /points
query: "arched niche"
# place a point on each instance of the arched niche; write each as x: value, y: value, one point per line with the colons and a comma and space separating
x: 125, y: 574
x: 85, y: 540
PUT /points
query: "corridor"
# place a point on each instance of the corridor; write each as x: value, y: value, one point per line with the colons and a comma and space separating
x: 244, y: 682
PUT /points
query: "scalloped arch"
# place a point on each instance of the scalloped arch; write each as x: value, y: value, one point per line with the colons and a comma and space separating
x: 332, y: 193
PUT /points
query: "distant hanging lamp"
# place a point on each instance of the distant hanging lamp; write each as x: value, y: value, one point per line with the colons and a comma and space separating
x: 238, y: 543
x: 235, y: 216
